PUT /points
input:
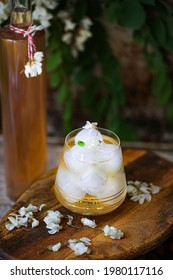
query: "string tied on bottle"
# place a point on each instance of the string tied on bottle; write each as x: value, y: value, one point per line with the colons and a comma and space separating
x: 33, y: 67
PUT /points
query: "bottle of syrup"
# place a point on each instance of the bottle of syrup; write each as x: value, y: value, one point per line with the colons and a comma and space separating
x: 23, y: 103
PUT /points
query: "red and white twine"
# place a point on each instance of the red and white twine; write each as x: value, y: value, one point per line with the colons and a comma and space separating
x: 28, y: 33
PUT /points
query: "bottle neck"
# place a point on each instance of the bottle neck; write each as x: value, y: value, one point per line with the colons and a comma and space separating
x: 20, y: 13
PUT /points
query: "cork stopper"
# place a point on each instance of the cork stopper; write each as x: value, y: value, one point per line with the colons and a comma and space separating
x: 20, y: 12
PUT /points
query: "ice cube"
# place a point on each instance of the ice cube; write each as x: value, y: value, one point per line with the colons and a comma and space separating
x: 114, y: 186
x: 69, y: 185
x: 77, y: 159
x: 90, y: 137
x: 93, y: 181
x: 109, y: 158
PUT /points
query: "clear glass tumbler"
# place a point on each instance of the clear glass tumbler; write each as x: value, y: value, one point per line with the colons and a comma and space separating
x: 90, y: 178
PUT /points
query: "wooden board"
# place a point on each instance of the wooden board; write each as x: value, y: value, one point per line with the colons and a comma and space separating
x: 145, y: 226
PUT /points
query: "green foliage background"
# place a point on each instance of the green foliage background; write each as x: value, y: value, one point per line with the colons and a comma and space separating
x: 93, y: 79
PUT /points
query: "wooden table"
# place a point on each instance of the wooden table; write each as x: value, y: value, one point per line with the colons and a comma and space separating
x: 145, y: 226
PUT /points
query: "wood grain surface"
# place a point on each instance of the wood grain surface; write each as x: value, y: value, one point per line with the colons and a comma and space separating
x: 145, y: 226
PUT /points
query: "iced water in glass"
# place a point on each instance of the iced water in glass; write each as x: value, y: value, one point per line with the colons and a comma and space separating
x: 90, y: 179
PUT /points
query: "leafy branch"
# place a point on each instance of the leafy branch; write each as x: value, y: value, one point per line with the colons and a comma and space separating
x: 93, y: 79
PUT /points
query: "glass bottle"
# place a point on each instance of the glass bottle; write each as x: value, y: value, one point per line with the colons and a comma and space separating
x: 23, y: 104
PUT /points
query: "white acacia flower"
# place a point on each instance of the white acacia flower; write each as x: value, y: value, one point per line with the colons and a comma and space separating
x: 23, y: 221
x: 79, y: 248
x: 34, y: 68
x: 41, y: 15
x: 22, y: 211
x: 89, y: 125
x: 35, y: 223
x: 49, y: 4
x: 85, y: 240
x: 69, y: 25
x: 56, y: 247
x: 14, y: 221
x: 54, y: 228
x: 88, y: 222
x: 38, y: 56
x: 53, y: 220
x: 154, y: 189
x: 4, y: 12
x: 141, y: 198
x: 82, y: 37
x: 113, y: 232
x: 63, y: 15
x: 24, y: 217
x: 31, y: 208
x: 54, y: 216
x: 67, y: 38
x: 131, y: 190
x: 9, y: 226
x: 86, y: 23
x: 141, y: 191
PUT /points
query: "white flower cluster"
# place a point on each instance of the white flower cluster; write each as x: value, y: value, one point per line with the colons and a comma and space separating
x: 53, y: 220
x: 79, y: 246
x: 24, y: 217
x: 4, y: 12
x: 88, y: 222
x: 34, y: 68
x: 41, y: 14
x: 75, y: 34
x: 141, y: 191
x: 110, y: 231
x: 113, y: 232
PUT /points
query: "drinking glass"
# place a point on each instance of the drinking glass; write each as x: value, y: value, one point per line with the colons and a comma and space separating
x: 90, y: 179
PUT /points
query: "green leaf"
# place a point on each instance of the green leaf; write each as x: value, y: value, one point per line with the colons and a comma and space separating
x: 162, y: 87
x: 68, y: 110
x: 169, y: 112
x: 138, y: 37
x: 159, y: 30
x: 158, y: 84
x: 53, y: 43
x: 54, y: 60
x: 113, y: 11
x: 132, y: 14
x: 169, y: 23
x: 81, y: 76
x: 55, y: 79
x: 166, y: 94
x: 62, y: 93
x: 88, y: 96
x: 67, y: 116
x: 100, y: 110
x: 169, y: 44
x: 155, y: 61
x: 148, y: 2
